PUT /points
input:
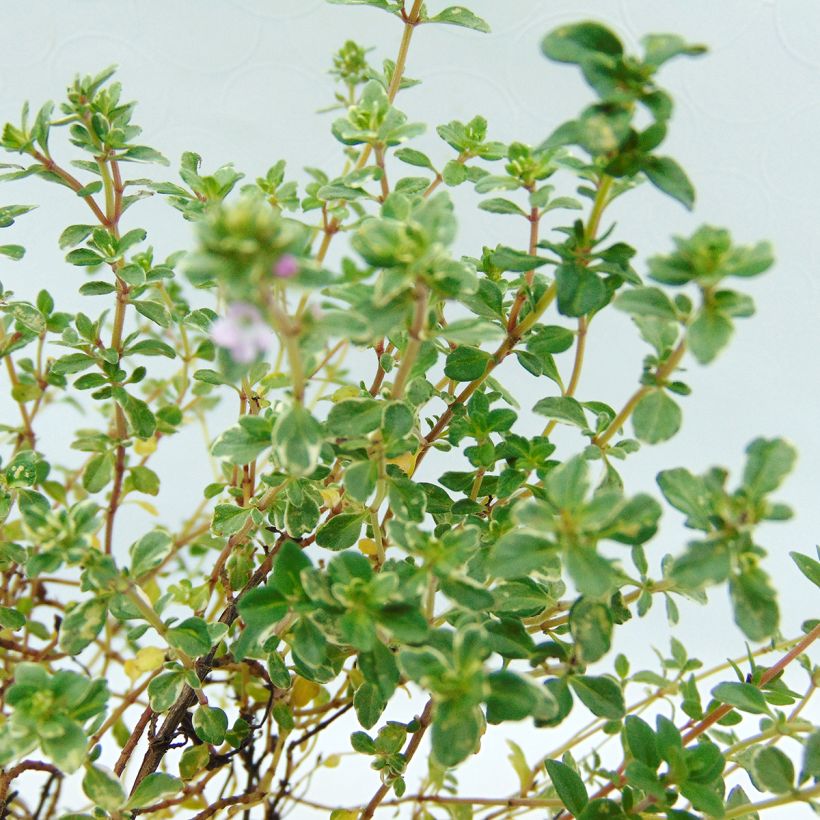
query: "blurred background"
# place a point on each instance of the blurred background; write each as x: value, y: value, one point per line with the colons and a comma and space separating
x: 242, y: 80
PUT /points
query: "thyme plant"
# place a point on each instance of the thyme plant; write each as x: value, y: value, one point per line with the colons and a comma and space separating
x: 332, y: 567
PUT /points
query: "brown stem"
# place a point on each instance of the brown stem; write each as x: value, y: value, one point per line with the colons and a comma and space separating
x: 662, y: 373
x: 415, y: 741
x: 72, y: 183
x: 133, y: 739
x: 411, y: 351
x: 534, y: 219
x: 25, y: 766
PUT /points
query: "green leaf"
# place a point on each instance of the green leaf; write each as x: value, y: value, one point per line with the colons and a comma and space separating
x: 498, y: 205
x: 773, y: 769
x: 644, y: 301
x: 308, y: 642
x: 151, y: 347
x: 11, y: 618
x: 149, y: 552
x: 73, y: 235
x: 456, y: 731
x: 82, y: 624
x: 601, y: 695
x: 97, y: 288
x: 190, y: 636
x: 516, y: 261
x: 592, y: 574
x: 165, y: 688
x: 568, y: 483
x: 703, y: 798
x: 353, y: 418
x: 516, y: 554
x: 413, y: 157
x: 261, y: 609
x: 656, y: 417
x: 568, y: 784
x: 641, y: 741
x: 211, y: 724
x: 369, y: 704
x: 139, y: 415
x: 103, y: 788
x: 341, y: 531
x: 562, y: 408
x: 590, y: 623
x: 153, y: 787
x: 67, y: 749
x: 245, y: 441
x: 98, y: 472
x: 667, y: 176
x: 768, y: 462
x: 408, y: 501
x: 688, y: 494
x: 459, y: 16
x: 15, y: 252
x: 154, y: 311
x: 579, y: 290
x: 658, y: 48
x: 581, y: 42
x: 808, y: 566
x: 811, y: 757
x: 703, y: 563
x: 229, y: 519
x: 754, y: 601
x: 297, y: 441
x: 465, y: 364
x: 360, y: 480
x: 72, y: 363
x: 743, y: 696
x: 84, y: 257
x: 472, y: 331
x: 709, y: 334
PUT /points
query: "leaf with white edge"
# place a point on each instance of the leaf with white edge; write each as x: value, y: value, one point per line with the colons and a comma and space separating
x: 646, y: 301
x: 103, y: 788
x: 149, y: 552
x: 190, y: 636
x: 744, y: 696
x: 656, y: 417
x: 210, y: 724
x: 153, y: 787
x: 590, y: 623
x: 498, y: 205
x: 82, y: 624
x: 808, y: 566
x: 459, y: 16
x: 773, y: 769
x: 768, y: 462
x: 562, y: 408
x: 297, y: 441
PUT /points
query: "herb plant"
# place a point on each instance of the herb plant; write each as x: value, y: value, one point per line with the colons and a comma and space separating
x: 332, y: 566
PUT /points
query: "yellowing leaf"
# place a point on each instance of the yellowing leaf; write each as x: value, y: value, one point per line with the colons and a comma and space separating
x: 145, y: 446
x: 349, y: 391
x: 303, y: 692
x: 406, y: 462
x: 368, y: 546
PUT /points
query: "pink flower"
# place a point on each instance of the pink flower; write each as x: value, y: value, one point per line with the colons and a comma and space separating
x: 243, y: 332
x: 286, y: 266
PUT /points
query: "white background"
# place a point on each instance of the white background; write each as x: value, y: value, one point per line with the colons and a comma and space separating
x: 240, y: 81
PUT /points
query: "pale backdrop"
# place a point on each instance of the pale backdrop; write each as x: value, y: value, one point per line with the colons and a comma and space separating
x: 241, y: 80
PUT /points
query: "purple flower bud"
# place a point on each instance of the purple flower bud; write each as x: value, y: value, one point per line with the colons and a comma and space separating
x: 243, y: 332
x: 286, y: 266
